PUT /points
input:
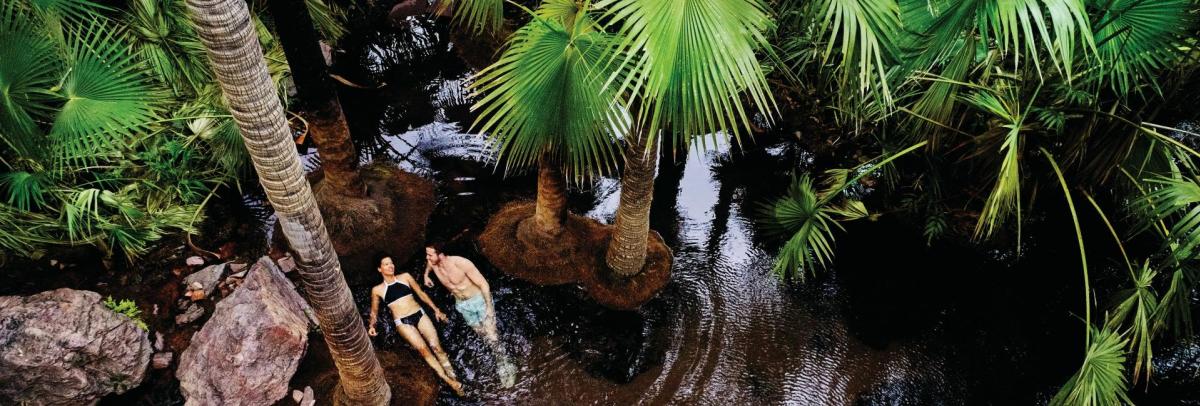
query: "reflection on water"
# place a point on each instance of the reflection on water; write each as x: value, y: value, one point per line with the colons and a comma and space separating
x: 895, y: 323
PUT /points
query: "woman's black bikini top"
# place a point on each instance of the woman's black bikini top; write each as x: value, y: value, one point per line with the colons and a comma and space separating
x: 396, y: 291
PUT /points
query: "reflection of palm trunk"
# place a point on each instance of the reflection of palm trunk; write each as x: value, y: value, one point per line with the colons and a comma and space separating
x: 627, y: 250
x: 228, y: 35
x: 551, y: 210
x: 664, y: 213
x: 721, y: 211
x: 318, y: 97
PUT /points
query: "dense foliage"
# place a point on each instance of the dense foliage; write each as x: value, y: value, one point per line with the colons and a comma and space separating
x: 114, y: 133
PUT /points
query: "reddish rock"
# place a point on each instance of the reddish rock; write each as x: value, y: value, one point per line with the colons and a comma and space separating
x: 63, y: 347
x: 248, y: 350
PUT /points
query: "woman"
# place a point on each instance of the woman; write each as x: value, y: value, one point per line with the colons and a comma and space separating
x: 397, y: 292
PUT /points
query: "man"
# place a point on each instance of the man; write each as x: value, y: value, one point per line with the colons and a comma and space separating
x: 473, y: 299
x: 471, y: 292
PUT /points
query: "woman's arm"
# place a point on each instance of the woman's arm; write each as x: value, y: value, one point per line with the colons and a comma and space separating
x: 424, y: 298
x: 374, y: 312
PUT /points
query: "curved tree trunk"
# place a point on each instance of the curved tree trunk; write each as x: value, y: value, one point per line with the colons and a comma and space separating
x: 627, y: 250
x: 550, y: 213
x: 318, y: 97
x: 228, y: 36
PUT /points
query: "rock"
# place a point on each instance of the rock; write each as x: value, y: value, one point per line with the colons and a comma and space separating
x: 287, y: 264
x: 159, y: 341
x: 309, y: 399
x: 297, y: 395
x: 236, y: 267
x: 248, y: 350
x: 204, y: 280
x: 195, y: 261
x: 161, y: 360
x: 63, y: 347
x: 192, y: 313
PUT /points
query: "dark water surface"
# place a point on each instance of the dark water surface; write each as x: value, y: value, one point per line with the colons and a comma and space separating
x: 894, y: 322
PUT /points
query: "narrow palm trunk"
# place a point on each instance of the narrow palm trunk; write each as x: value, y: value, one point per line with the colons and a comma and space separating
x: 627, y: 250
x: 318, y: 96
x: 551, y: 210
x: 228, y: 35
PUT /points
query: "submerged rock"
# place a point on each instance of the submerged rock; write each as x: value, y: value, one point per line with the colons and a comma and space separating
x: 248, y: 350
x: 63, y: 347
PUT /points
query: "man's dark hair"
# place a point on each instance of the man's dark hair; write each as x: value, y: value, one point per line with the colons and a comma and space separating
x: 437, y: 247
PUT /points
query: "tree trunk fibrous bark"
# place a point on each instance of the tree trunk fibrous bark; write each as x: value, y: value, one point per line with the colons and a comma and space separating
x: 550, y: 213
x: 318, y: 96
x: 228, y: 35
x: 627, y: 250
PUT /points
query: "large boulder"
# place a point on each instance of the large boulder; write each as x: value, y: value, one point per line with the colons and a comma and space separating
x: 63, y: 347
x: 250, y: 347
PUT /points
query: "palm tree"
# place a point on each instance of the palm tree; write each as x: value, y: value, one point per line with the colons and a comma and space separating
x: 226, y: 31
x: 544, y: 101
x: 689, y: 62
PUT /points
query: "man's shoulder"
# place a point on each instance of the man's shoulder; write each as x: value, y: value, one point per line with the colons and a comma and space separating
x: 461, y: 260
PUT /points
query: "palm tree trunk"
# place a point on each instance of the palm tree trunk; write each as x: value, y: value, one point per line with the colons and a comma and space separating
x: 550, y: 213
x: 228, y: 36
x: 318, y: 96
x: 627, y: 250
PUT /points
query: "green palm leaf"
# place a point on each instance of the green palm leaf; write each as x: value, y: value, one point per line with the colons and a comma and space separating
x: 165, y: 40
x: 690, y: 60
x: 1175, y: 198
x: 478, y: 15
x: 866, y: 34
x: 1136, y: 38
x: 26, y: 191
x: 1101, y: 379
x: 28, y: 66
x: 106, y: 97
x: 546, y: 93
x: 1139, y: 306
x: 1005, y: 197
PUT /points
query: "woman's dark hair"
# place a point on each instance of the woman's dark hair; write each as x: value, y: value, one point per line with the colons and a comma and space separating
x: 379, y: 259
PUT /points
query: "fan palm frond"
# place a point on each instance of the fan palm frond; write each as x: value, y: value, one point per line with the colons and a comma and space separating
x: 546, y: 93
x: 106, y: 95
x: 1100, y: 381
x: 1139, y: 306
x: 1174, y: 197
x: 26, y: 190
x: 866, y: 34
x: 1175, y: 309
x: 1005, y: 197
x: 1137, y: 38
x: 29, y: 65
x: 690, y: 61
x: 161, y: 34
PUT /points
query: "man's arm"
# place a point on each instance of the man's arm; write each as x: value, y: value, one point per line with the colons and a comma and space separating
x: 477, y: 278
x: 428, y: 267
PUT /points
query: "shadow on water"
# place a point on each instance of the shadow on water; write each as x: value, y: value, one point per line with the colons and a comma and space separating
x: 896, y: 322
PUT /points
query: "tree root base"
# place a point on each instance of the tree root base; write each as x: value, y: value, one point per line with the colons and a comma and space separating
x: 574, y: 256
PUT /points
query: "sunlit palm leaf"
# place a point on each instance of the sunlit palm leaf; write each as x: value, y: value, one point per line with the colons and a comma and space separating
x: 74, y: 10
x: 1101, y: 379
x: 865, y: 34
x: 1005, y: 197
x: 798, y: 214
x: 692, y: 60
x: 1139, y: 305
x: 478, y: 15
x: 1137, y: 38
x: 106, y: 95
x: 325, y: 18
x: 546, y: 93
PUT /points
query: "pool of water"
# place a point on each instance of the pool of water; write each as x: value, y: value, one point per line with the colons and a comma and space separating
x: 895, y: 321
